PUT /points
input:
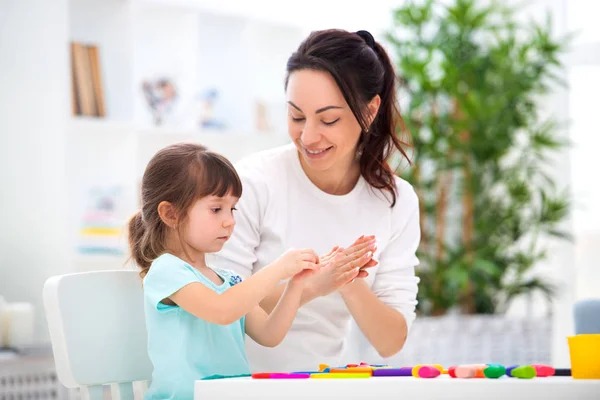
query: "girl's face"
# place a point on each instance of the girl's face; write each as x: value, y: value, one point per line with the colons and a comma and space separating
x: 210, y: 223
x: 320, y: 122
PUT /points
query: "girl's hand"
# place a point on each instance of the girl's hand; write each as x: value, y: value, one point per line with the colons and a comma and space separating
x: 341, y: 266
x: 301, y: 278
x: 296, y: 261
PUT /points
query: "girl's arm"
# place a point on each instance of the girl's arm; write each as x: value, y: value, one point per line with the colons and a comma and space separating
x: 231, y: 305
x: 269, y: 329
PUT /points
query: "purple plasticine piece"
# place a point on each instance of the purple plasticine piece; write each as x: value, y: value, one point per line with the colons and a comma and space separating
x: 406, y: 371
x: 509, y: 370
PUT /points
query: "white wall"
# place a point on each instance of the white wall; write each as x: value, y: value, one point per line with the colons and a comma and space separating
x: 34, y: 106
x: 584, y: 85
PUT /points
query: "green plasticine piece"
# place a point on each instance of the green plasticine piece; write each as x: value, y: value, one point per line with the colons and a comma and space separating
x: 494, y: 371
x: 524, y: 372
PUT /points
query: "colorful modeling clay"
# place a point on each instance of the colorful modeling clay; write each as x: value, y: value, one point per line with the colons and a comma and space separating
x: 451, y: 371
x: 355, y: 370
x: 465, y: 371
x: 523, y: 372
x: 405, y: 371
x: 427, y: 371
x: 542, y: 370
x: 418, y: 366
x: 261, y: 375
x: 308, y: 372
x: 479, y: 371
x: 494, y: 371
x: 509, y: 370
x: 341, y: 375
x: 289, y: 376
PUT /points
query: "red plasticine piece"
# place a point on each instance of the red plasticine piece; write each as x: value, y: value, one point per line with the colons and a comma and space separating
x: 261, y: 375
x: 452, y: 371
x: 543, y: 370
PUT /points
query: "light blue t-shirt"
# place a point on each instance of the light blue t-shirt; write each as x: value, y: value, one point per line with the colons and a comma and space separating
x: 182, y: 347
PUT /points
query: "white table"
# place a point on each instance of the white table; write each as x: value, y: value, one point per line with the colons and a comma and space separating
x: 399, y: 388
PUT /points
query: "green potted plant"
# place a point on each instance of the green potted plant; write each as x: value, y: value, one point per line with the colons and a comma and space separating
x: 472, y: 76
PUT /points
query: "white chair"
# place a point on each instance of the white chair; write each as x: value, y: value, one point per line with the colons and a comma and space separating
x: 98, y: 332
x: 586, y: 313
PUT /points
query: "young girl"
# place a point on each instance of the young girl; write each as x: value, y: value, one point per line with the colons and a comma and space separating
x: 197, y: 316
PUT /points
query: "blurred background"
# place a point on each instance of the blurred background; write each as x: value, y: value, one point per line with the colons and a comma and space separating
x: 501, y: 106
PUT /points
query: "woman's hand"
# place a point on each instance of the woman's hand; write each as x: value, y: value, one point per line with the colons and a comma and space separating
x: 341, y: 266
x: 357, y: 245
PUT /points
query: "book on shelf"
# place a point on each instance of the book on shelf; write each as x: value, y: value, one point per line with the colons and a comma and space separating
x: 87, y: 92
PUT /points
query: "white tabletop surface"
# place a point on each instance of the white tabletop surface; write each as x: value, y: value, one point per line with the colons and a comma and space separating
x: 399, y: 388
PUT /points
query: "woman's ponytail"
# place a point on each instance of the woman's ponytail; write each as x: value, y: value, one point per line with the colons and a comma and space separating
x: 381, y: 139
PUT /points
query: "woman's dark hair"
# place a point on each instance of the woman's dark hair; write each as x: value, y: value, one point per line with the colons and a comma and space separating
x: 180, y: 174
x: 362, y: 69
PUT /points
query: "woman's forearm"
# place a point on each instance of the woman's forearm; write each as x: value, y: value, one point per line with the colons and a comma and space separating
x: 383, y: 326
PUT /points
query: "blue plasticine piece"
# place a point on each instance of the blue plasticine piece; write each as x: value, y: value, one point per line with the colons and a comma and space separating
x: 216, y: 376
x: 509, y: 370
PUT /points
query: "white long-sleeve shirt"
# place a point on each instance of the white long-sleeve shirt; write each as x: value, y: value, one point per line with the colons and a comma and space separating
x: 281, y: 208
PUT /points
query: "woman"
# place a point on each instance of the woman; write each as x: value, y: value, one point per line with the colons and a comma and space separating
x: 333, y: 186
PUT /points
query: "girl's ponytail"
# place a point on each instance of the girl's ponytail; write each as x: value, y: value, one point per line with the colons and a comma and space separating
x: 139, y: 243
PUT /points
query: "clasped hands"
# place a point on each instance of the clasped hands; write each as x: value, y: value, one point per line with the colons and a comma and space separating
x: 339, y: 267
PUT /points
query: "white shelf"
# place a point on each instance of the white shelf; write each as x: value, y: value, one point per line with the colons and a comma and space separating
x: 95, y: 132
x: 91, y: 126
x: 198, y: 45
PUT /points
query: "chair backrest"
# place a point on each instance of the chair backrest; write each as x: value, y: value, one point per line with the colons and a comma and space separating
x: 587, y: 316
x: 98, y: 331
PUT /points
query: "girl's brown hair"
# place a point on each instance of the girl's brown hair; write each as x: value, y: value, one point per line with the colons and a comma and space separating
x: 180, y: 174
x: 361, y: 69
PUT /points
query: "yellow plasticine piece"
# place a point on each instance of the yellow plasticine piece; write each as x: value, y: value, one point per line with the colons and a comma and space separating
x: 352, y: 370
x: 415, y: 370
x: 341, y: 375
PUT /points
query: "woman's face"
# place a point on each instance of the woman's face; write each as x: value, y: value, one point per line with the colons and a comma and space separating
x: 320, y: 122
